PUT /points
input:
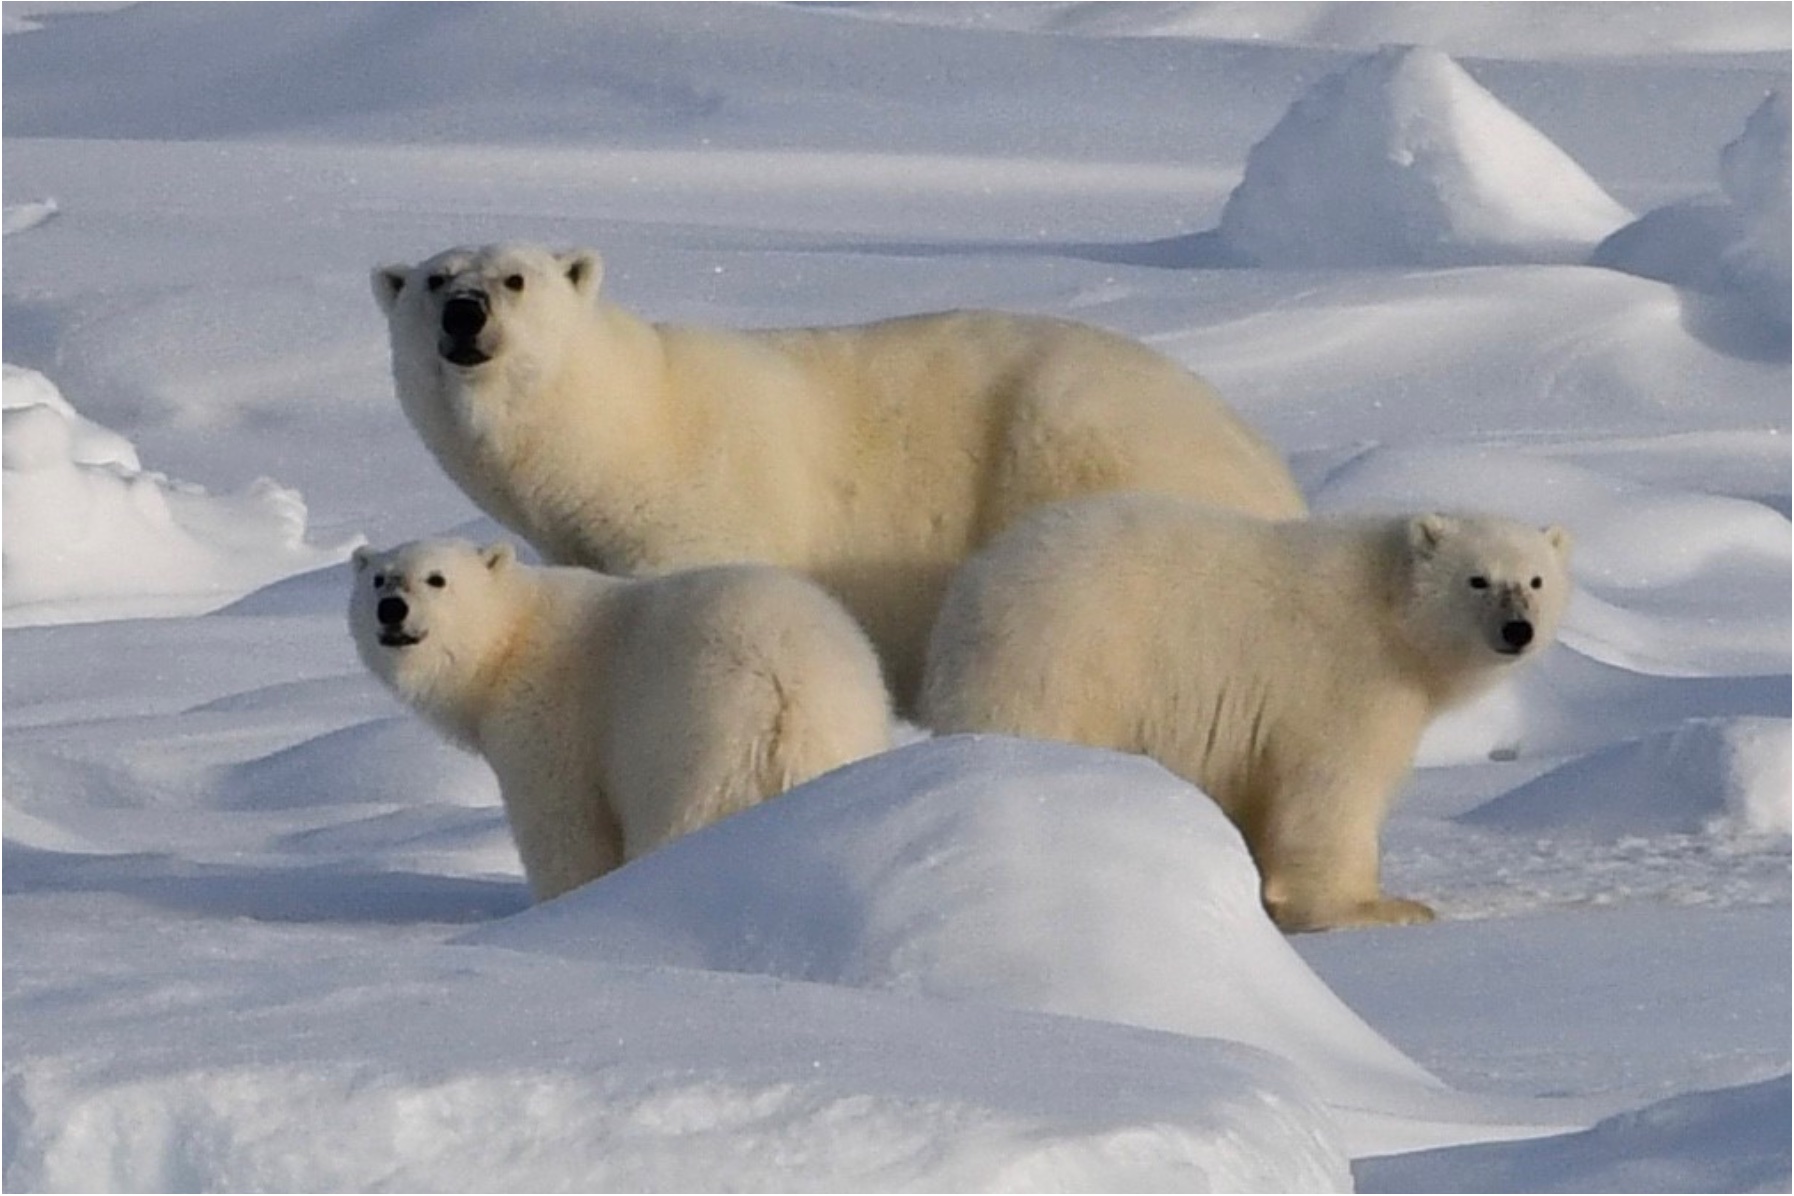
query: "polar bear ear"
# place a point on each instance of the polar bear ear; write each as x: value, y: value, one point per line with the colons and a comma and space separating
x: 361, y: 556
x: 388, y: 282
x: 499, y: 556
x: 584, y: 269
x: 1559, y: 538
x: 1427, y: 532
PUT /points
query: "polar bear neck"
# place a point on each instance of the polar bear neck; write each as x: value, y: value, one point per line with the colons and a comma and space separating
x: 1374, y: 562
x: 490, y: 689
x: 552, y: 449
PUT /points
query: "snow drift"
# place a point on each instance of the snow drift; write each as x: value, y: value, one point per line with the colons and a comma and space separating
x: 431, y: 1068
x: 1030, y: 875
x: 1709, y: 776
x: 91, y: 534
x: 1402, y: 159
x: 1730, y: 1140
x: 1734, y: 240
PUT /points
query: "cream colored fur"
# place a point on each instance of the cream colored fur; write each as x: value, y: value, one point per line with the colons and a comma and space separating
x: 618, y: 714
x: 872, y: 458
x: 1288, y: 669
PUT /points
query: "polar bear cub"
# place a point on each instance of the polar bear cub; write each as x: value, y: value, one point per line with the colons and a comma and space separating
x: 872, y: 457
x: 618, y: 714
x: 1288, y: 669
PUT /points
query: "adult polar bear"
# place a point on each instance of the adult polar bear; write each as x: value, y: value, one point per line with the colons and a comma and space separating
x: 1288, y: 669
x: 872, y: 457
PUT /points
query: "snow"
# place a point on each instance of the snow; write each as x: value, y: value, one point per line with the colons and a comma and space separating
x: 265, y: 930
x: 433, y: 1068
x: 1403, y: 159
x: 1729, y: 775
x: 1734, y: 240
x: 90, y: 534
x: 971, y: 869
x: 20, y: 217
x: 1707, y: 1141
x: 1492, y: 28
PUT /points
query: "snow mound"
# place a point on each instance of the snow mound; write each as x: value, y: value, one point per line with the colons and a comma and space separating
x: 224, y: 1065
x: 1402, y: 159
x: 90, y: 534
x: 1735, y: 240
x: 1724, y: 776
x: 1754, y: 172
x: 1731, y: 1140
x: 1031, y: 875
x: 397, y: 760
x: 89, y: 443
x: 19, y: 217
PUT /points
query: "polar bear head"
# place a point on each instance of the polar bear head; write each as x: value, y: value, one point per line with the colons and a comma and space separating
x: 467, y: 308
x: 428, y: 616
x: 1483, y: 592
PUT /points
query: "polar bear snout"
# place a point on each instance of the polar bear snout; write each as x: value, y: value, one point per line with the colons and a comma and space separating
x: 464, y: 315
x: 463, y: 323
x: 1516, y: 636
x: 391, y: 612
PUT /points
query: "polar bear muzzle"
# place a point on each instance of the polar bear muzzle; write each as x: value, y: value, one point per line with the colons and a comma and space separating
x: 391, y: 612
x: 463, y: 322
x: 1516, y: 636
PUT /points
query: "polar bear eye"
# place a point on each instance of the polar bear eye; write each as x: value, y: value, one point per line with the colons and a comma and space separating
x: 1479, y: 583
x: 436, y: 581
x: 435, y: 281
x: 1538, y: 583
x: 514, y: 282
x: 379, y: 581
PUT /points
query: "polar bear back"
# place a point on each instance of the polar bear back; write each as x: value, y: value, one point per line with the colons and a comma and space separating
x: 930, y: 433
x: 1170, y: 619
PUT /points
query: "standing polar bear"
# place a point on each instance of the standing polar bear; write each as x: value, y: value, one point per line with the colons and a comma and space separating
x: 872, y: 458
x: 618, y: 714
x: 1288, y: 669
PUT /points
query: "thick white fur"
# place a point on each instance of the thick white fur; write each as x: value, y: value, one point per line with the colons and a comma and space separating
x: 872, y: 458
x: 618, y: 714
x: 1288, y: 669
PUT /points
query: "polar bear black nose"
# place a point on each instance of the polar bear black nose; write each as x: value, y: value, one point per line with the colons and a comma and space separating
x: 391, y: 610
x: 464, y: 316
x: 1516, y: 633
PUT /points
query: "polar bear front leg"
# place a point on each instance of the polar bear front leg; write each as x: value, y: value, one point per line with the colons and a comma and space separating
x: 1320, y: 860
x: 565, y: 832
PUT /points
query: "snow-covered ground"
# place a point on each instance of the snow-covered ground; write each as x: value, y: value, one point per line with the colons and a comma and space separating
x: 263, y: 930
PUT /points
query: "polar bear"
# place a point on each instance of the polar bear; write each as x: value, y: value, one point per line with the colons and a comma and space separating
x: 617, y: 713
x: 1288, y: 669
x: 872, y: 457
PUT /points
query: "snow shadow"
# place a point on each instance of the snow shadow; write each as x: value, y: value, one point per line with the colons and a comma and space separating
x: 316, y: 894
